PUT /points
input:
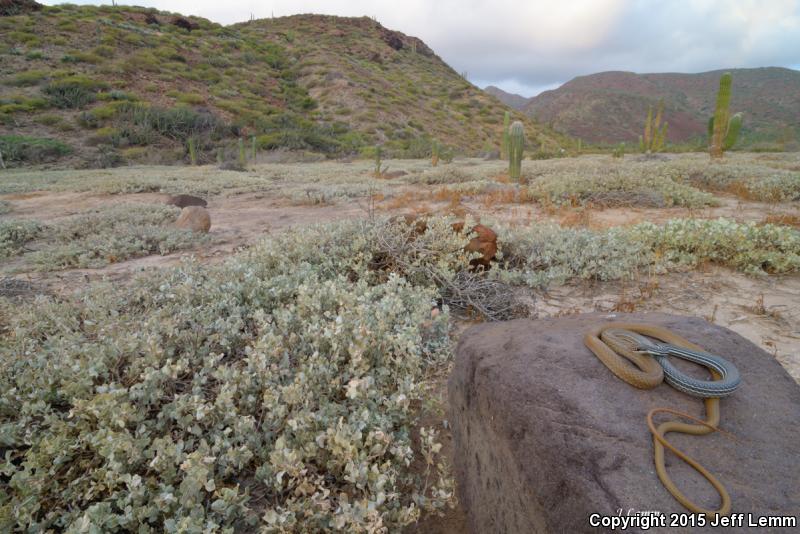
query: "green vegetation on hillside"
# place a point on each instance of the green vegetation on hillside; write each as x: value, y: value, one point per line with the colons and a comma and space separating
x: 111, y: 81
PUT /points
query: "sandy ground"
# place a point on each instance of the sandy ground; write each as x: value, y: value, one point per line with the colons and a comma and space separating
x: 765, y: 310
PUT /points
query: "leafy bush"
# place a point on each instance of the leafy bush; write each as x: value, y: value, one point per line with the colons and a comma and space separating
x: 29, y: 77
x: 636, y: 187
x: 99, y: 237
x: 178, y: 123
x: 19, y: 148
x: 72, y: 92
x: 550, y: 254
x: 15, y: 234
x: 749, y: 247
x: 276, y: 390
x: 742, y: 178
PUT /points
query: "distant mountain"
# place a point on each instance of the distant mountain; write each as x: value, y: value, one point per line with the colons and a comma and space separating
x: 609, y: 107
x: 511, y: 100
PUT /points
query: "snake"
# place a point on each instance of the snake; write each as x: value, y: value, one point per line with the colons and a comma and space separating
x: 622, y: 347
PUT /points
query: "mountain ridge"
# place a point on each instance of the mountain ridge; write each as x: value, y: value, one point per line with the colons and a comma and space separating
x: 768, y: 97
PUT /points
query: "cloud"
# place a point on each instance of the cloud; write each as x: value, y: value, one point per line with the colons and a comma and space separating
x: 528, y: 46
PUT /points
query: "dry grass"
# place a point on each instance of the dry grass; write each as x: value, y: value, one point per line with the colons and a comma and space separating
x: 783, y: 219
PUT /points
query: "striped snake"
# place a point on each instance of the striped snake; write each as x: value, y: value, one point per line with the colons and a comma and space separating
x: 618, y: 343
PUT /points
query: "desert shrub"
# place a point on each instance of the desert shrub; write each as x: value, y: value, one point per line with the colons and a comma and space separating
x: 16, y: 234
x: 107, y: 235
x: 288, y: 130
x: 748, y: 247
x: 444, y: 175
x: 549, y: 254
x: 22, y: 149
x: 744, y: 179
x: 5, y: 207
x: 29, y: 77
x: 21, y: 104
x: 72, y: 92
x: 635, y: 187
x: 277, y: 390
x: 177, y: 123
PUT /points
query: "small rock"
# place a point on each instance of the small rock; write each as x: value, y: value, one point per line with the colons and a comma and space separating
x: 182, y: 201
x: 194, y: 218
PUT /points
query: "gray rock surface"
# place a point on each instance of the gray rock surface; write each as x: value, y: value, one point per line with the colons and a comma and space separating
x: 545, y: 435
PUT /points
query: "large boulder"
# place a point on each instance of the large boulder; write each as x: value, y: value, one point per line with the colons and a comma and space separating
x: 194, y: 218
x: 545, y: 435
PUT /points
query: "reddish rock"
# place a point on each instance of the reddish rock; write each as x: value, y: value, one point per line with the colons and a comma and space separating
x: 485, y: 242
x: 194, y: 218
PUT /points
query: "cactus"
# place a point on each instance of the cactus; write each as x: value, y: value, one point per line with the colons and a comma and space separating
x: 192, y: 151
x: 380, y: 170
x: 619, y: 151
x: 253, y: 148
x: 516, y: 146
x: 220, y: 156
x: 655, y: 134
x: 504, y: 140
x: 723, y: 129
x: 242, y: 153
x: 435, y: 149
x: 731, y: 132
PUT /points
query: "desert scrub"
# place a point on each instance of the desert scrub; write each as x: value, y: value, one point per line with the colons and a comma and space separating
x: 98, y: 237
x: 16, y: 234
x: 275, y: 391
x: 5, y: 207
x: 628, y: 187
x: 18, y: 149
x: 749, y: 179
x: 446, y: 175
x: 549, y: 254
x: 748, y: 247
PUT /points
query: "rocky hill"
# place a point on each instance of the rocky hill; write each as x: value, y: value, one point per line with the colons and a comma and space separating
x: 609, y: 107
x: 511, y: 100
x: 108, y: 85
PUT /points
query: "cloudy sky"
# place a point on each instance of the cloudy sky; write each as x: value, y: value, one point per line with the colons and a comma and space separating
x: 531, y: 45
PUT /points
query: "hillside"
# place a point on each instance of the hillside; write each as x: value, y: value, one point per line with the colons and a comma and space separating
x: 511, y: 100
x: 103, y: 86
x: 610, y: 107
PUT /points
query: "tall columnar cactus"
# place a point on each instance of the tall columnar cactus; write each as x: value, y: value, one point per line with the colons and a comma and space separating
x: 504, y: 140
x: 242, y: 153
x: 192, y: 151
x: 655, y: 134
x: 723, y: 129
x: 516, y: 146
x: 435, y: 150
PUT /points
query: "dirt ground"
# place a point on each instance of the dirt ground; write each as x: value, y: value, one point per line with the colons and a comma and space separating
x: 765, y: 310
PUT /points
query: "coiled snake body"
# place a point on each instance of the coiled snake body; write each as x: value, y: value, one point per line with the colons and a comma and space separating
x: 616, y: 344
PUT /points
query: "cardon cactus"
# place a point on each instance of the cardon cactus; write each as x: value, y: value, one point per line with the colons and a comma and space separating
x: 732, y: 132
x: 516, y: 146
x: 723, y: 128
x: 435, y: 153
x: 504, y: 141
x: 655, y: 134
